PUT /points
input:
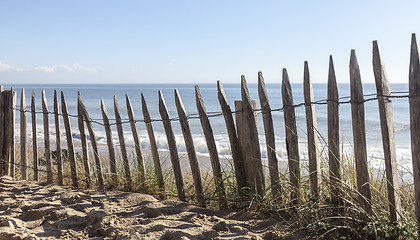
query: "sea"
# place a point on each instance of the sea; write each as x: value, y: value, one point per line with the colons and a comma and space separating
x: 93, y: 93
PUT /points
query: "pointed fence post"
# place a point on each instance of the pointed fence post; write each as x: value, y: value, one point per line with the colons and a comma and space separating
x: 312, y: 130
x: 359, y: 134
x: 23, y: 140
x: 388, y: 138
x: 46, y: 137
x: 414, y: 101
x: 12, y: 134
x: 69, y: 139
x: 136, y: 138
x: 94, y: 144
x: 172, y: 147
x: 189, y: 145
x: 8, y: 135
x: 83, y: 142
x: 238, y: 161
x: 34, y: 137
x: 251, y: 123
x: 129, y: 183
x: 2, y: 130
x: 211, y: 146
x: 109, y: 142
x: 269, y: 137
x: 291, y: 138
x: 153, y: 146
x: 58, y: 140
x: 334, y: 161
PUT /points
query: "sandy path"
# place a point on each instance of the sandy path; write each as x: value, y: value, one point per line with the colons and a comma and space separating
x: 39, y: 211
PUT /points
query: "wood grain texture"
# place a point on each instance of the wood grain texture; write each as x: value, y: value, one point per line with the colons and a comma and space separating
x: 153, y: 145
x: 334, y: 161
x: 109, y: 143
x: 12, y: 134
x: 359, y: 134
x: 8, y: 135
x: 163, y: 110
x: 69, y: 139
x: 88, y: 122
x: 189, y: 145
x: 273, y: 166
x: 23, y: 136
x: 2, y: 129
x: 47, y: 153
x: 137, y: 146
x: 388, y: 138
x: 312, y: 132
x: 238, y: 161
x: 58, y: 154
x: 414, y: 102
x: 291, y: 138
x: 211, y: 146
x: 123, y: 148
x: 34, y: 137
x: 84, y: 144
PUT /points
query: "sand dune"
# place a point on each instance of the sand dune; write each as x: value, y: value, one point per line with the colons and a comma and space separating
x: 29, y: 210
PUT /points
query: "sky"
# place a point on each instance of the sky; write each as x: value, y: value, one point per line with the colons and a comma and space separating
x: 98, y: 41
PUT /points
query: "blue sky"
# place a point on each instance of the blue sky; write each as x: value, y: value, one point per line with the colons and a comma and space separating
x: 199, y: 41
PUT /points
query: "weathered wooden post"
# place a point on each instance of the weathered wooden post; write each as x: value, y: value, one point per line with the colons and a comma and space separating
x: 83, y: 142
x: 129, y: 183
x: 172, y: 147
x: 7, y: 98
x: 359, y: 134
x: 23, y: 140
x: 238, y: 160
x: 189, y: 145
x: 94, y: 144
x: 153, y: 146
x: 109, y: 142
x: 414, y: 101
x: 69, y: 139
x: 291, y: 138
x: 388, y: 138
x: 2, y: 130
x: 269, y: 137
x: 34, y: 137
x: 12, y: 133
x: 58, y: 139
x: 334, y: 136
x: 311, y: 126
x: 46, y: 137
x: 139, y: 154
x: 211, y: 146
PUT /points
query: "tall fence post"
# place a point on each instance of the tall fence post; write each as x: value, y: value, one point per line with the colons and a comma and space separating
x: 189, y: 145
x: 12, y: 134
x: 139, y: 154
x: 2, y: 130
x: 109, y: 143
x: 172, y: 147
x: 388, y: 138
x: 414, y: 102
x: 291, y: 138
x: 83, y: 142
x: 129, y: 183
x: 7, y: 98
x: 94, y: 144
x: 23, y: 136
x: 334, y: 136
x: 69, y: 138
x: 238, y: 161
x: 311, y: 126
x: 251, y: 123
x: 273, y: 166
x: 34, y: 137
x: 47, y: 153
x: 58, y: 154
x: 359, y: 134
x: 211, y: 146
x: 153, y: 145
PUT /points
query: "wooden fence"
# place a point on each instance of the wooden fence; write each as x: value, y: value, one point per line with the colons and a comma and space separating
x: 243, y: 138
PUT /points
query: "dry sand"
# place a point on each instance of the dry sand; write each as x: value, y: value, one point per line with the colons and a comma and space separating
x: 30, y: 210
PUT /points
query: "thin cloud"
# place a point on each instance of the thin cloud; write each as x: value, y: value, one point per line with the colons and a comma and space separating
x: 6, y: 67
x: 75, y: 67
